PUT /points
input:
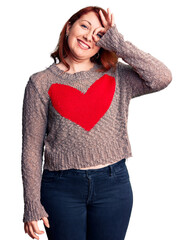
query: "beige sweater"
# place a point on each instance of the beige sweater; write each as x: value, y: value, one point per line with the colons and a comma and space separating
x: 80, y: 120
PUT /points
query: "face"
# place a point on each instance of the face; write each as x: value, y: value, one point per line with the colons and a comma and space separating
x: 80, y: 36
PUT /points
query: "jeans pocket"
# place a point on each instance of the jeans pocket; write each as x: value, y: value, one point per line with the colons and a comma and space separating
x: 121, y: 174
x: 49, y: 176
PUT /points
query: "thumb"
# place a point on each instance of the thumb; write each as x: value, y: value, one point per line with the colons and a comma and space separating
x: 46, y: 222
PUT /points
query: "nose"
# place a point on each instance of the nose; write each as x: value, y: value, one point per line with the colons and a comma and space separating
x: 88, y: 36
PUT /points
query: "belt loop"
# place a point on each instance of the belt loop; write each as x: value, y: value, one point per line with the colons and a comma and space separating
x: 110, y: 170
x: 60, y: 173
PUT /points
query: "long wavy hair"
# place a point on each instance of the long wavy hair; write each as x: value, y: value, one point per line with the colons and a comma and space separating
x: 104, y: 57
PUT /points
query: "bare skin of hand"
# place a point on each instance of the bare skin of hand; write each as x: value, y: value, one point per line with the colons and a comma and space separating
x: 106, y: 23
x: 31, y: 228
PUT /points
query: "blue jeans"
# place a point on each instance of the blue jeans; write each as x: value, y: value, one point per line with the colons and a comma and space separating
x: 92, y: 204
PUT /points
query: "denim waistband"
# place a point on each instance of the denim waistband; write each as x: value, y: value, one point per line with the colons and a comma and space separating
x: 108, y: 169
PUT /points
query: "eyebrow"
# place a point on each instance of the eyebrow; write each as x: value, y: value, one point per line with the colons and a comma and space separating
x: 87, y: 21
x: 90, y: 24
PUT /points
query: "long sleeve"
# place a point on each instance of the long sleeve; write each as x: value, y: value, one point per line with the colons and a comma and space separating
x: 34, y: 121
x: 142, y: 72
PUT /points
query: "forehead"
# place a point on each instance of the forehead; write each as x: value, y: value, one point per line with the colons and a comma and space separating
x: 91, y: 18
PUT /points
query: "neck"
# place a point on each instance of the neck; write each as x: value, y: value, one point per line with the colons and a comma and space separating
x: 79, y: 65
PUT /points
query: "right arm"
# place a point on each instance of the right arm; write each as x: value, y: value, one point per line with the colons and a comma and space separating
x: 34, y: 122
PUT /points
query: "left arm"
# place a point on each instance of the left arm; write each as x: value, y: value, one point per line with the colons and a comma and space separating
x: 143, y: 72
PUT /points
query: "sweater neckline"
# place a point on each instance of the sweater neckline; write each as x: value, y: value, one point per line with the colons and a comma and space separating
x: 65, y: 75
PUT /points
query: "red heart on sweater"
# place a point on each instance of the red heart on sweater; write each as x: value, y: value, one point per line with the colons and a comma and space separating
x: 85, y: 109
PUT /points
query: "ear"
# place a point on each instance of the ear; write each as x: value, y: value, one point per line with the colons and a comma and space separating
x: 68, y: 28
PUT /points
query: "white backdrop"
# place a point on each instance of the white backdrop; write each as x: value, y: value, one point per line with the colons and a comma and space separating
x: 159, y: 126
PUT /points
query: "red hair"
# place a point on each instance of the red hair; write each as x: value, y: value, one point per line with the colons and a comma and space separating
x: 107, y: 58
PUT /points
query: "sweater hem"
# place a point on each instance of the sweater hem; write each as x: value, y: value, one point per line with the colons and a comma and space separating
x: 55, y: 161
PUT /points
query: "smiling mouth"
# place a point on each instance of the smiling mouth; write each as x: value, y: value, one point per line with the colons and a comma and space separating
x: 83, y: 45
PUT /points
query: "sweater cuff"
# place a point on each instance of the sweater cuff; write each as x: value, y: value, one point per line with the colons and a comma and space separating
x: 34, y: 211
x: 111, y: 40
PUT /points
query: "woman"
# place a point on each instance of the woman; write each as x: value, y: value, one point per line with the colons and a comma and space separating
x: 78, y: 110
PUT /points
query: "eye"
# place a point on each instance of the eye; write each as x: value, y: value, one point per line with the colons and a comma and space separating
x: 99, y: 35
x: 84, y: 26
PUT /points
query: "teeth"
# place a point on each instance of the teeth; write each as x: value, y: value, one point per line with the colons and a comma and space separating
x: 84, y: 45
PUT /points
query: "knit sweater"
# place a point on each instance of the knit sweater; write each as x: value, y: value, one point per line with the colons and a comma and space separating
x: 80, y: 120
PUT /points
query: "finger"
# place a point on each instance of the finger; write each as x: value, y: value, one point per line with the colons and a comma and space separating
x: 96, y: 38
x: 109, y: 15
x: 109, y: 12
x: 112, y: 20
x: 46, y: 222
x: 99, y: 30
x: 98, y: 33
x: 28, y: 231
x: 103, y: 19
x: 26, y: 228
x: 36, y: 228
x: 31, y: 233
